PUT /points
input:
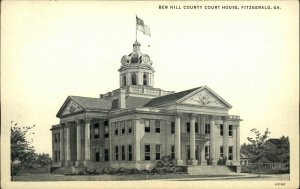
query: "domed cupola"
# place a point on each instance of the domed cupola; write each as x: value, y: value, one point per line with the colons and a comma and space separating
x: 136, y: 68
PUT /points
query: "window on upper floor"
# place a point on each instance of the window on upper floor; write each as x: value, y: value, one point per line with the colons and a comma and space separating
x: 207, y: 128
x: 196, y: 127
x: 145, y: 79
x: 122, y: 127
x: 96, y: 130
x: 147, y: 126
x: 133, y: 79
x: 157, y: 126
x: 230, y: 130
x: 172, y: 127
x: 116, y: 128
x: 106, y: 129
x: 188, y: 127
x: 221, y: 130
x: 129, y: 127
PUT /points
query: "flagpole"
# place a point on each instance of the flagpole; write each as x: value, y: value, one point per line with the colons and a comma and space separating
x: 135, y: 27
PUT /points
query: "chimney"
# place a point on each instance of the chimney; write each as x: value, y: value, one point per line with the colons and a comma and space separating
x: 122, y: 103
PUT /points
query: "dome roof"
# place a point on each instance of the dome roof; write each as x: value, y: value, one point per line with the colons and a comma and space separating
x: 136, y: 57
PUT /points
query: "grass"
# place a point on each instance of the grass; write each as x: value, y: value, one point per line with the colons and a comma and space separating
x: 52, y: 177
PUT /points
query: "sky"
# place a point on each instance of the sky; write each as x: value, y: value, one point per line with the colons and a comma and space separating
x: 53, y: 49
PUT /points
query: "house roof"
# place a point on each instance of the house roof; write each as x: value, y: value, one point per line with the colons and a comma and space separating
x: 170, y: 98
x: 271, y: 157
x: 277, y: 142
x: 93, y: 103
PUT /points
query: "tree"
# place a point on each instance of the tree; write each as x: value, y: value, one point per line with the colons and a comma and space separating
x: 23, y: 156
x: 284, y: 152
x: 257, y: 149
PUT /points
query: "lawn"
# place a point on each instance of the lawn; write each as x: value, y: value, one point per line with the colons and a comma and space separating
x: 53, y: 177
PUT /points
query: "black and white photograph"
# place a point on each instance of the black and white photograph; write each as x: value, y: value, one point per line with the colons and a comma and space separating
x: 149, y: 94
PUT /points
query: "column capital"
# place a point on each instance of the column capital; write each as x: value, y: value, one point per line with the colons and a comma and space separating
x: 87, y: 120
x: 178, y: 114
x: 193, y: 115
x: 225, y: 118
x: 78, y: 121
x: 212, y: 117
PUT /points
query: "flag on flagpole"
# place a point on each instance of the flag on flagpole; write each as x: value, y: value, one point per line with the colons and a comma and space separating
x: 142, y: 27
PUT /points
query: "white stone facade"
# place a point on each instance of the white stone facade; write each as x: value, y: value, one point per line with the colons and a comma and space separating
x: 137, y: 124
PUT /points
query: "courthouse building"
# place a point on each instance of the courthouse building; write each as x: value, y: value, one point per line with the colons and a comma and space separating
x: 137, y: 124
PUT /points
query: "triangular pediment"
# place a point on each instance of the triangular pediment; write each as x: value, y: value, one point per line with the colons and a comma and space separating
x: 204, y: 97
x: 70, y: 107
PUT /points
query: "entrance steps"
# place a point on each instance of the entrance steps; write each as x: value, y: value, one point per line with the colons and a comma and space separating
x: 210, y: 170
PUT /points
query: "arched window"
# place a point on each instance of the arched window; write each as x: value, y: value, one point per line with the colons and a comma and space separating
x: 145, y: 79
x: 124, y: 80
x: 133, y: 79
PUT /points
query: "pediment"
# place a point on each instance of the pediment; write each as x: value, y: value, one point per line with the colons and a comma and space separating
x: 71, y: 107
x: 205, y: 97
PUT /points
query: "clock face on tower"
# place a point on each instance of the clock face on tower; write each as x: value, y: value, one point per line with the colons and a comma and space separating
x: 146, y: 59
x: 124, y: 60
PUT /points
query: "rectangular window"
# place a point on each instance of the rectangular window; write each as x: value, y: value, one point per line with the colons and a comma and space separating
x: 221, y: 130
x: 123, y: 128
x: 157, y: 126
x: 106, y: 155
x: 230, y: 152
x: 230, y: 130
x: 97, y: 155
x: 147, y: 126
x: 58, y: 155
x: 221, y: 151
x: 188, y: 127
x: 116, y: 153
x: 55, y: 137
x: 129, y: 127
x: 157, y: 152
x: 123, y: 153
x: 55, y: 156
x: 196, y: 128
x: 207, y: 128
x: 172, y: 152
x: 172, y: 127
x: 116, y: 128
x: 96, y: 130
x: 106, y: 129
x: 129, y: 153
x: 207, y: 151
x: 147, y: 152
x: 188, y: 152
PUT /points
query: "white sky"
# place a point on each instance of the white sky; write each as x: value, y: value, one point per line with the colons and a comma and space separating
x: 54, y: 49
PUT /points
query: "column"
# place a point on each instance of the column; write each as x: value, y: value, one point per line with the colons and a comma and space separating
x: 87, y: 146
x: 68, y: 146
x: 202, y: 131
x: 212, y: 156
x: 110, y: 129
x: 53, y: 148
x: 238, y: 144
x: 177, y: 140
x: 78, y: 137
x: 225, y: 138
x: 61, y: 145
x: 128, y: 79
x: 137, y: 139
x: 193, y: 160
